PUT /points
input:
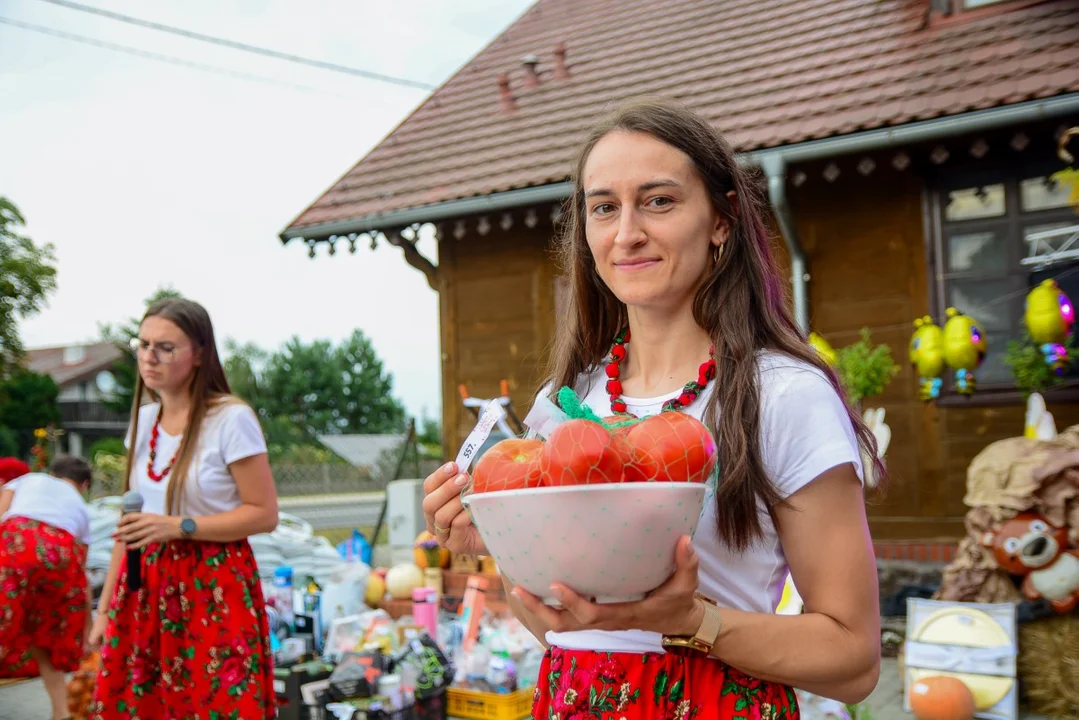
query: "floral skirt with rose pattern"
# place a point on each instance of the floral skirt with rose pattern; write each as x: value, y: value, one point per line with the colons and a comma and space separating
x: 192, y: 643
x: 42, y: 596
x: 582, y: 684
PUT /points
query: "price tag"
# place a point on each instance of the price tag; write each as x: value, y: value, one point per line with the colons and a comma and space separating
x: 491, y: 414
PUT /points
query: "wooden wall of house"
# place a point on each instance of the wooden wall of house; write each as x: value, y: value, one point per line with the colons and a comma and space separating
x: 497, y: 315
x: 869, y: 264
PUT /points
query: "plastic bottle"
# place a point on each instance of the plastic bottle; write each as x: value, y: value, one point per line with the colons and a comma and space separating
x: 282, y: 582
x: 390, y: 686
x: 425, y: 610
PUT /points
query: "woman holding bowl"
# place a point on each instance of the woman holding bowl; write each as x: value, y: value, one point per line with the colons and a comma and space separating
x: 677, y: 305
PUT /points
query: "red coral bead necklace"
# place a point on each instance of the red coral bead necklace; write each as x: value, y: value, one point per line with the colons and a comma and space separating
x: 155, y: 431
x: 690, y: 391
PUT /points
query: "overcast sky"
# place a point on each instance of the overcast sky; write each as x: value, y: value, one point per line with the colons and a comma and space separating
x: 143, y: 174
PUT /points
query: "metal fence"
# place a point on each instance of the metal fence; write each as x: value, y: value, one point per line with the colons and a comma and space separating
x: 324, y: 479
x: 329, y: 479
x: 293, y: 480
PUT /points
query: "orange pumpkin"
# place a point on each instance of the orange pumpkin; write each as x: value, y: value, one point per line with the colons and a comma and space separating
x: 80, y: 690
x: 941, y: 697
x: 420, y: 555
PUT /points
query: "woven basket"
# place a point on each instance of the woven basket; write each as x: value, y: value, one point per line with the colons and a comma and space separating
x: 1048, y: 666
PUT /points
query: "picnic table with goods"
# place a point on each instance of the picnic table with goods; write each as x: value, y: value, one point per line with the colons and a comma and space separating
x: 431, y: 638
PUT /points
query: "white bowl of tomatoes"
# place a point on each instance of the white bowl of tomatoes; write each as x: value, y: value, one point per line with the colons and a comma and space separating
x: 596, y: 507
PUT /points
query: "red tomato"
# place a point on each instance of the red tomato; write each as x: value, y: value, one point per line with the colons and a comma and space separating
x: 671, y: 446
x: 582, y: 452
x: 509, y: 464
x: 613, y: 419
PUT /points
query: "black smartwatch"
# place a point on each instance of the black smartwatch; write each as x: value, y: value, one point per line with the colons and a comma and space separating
x: 188, y: 527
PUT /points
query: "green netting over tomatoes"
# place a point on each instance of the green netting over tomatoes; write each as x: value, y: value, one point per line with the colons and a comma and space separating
x: 582, y: 448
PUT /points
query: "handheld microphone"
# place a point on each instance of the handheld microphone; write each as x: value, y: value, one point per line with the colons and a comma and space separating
x: 132, y: 503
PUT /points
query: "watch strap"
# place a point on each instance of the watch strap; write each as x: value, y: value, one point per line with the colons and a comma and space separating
x: 705, y: 638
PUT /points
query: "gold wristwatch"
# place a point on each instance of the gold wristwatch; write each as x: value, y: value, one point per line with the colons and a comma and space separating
x: 707, y: 634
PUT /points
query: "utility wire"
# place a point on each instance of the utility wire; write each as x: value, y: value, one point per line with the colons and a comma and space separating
x: 153, y: 56
x: 333, y: 67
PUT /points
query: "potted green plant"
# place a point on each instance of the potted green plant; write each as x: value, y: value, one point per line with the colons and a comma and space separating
x: 1028, y: 365
x: 865, y: 369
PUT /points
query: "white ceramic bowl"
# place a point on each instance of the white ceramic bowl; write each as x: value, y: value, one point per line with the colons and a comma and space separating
x: 612, y: 542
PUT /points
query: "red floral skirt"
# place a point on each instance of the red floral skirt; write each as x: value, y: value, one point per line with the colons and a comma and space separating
x: 578, y: 684
x: 192, y: 643
x: 42, y: 596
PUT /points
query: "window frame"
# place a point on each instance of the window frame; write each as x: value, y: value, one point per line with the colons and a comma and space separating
x: 953, y: 8
x: 1012, y: 223
x: 947, y: 12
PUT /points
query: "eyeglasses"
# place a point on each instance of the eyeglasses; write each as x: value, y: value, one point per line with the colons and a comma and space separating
x: 164, y: 353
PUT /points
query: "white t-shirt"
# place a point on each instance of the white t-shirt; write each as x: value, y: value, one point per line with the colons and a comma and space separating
x: 229, y: 433
x: 50, y: 500
x: 805, y: 430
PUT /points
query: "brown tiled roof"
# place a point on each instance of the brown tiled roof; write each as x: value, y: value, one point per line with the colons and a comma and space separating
x: 50, y: 361
x: 766, y: 72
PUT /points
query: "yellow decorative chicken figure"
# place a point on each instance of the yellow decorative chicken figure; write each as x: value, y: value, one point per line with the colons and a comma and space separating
x: 927, y: 356
x: 823, y: 348
x: 1049, y: 318
x: 964, y: 348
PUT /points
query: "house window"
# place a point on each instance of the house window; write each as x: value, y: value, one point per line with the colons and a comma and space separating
x: 983, y: 222
x: 957, y: 7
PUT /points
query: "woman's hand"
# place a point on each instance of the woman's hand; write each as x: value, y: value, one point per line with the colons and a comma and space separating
x: 138, y: 530
x: 97, y: 632
x: 446, y: 517
x: 671, y: 609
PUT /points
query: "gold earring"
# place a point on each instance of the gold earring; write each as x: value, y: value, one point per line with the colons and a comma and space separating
x: 717, y: 253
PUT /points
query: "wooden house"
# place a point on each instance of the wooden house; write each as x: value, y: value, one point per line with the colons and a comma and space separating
x: 906, y: 146
x: 84, y: 376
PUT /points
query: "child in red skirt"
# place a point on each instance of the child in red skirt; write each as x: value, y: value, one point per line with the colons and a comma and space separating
x: 193, y: 640
x: 45, y: 608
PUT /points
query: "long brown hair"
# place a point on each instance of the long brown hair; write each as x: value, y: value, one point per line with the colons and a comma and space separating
x: 741, y: 303
x: 209, y: 389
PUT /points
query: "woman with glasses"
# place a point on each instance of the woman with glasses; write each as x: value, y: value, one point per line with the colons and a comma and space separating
x: 193, y: 637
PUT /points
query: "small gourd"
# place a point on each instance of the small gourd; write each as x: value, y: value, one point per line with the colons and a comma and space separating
x: 402, y: 579
x: 941, y: 697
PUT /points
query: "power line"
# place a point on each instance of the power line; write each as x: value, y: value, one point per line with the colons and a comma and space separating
x: 333, y: 67
x: 152, y: 56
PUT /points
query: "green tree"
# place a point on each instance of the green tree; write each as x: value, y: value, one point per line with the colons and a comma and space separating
x: 242, y: 366
x: 304, y: 390
x: 27, y: 402
x: 27, y: 276
x: 107, y: 446
x: 327, y: 390
x: 429, y: 436
x: 126, y: 370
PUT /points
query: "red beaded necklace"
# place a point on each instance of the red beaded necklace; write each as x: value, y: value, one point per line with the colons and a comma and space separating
x: 154, y: 432
x: 689, y: 392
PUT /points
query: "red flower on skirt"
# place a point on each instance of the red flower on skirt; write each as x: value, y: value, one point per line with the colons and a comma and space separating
x: 174, y: 610
x: 583, y: 684
x: 193, y: 639
x: 233, y: 671
x: 42, y: 596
